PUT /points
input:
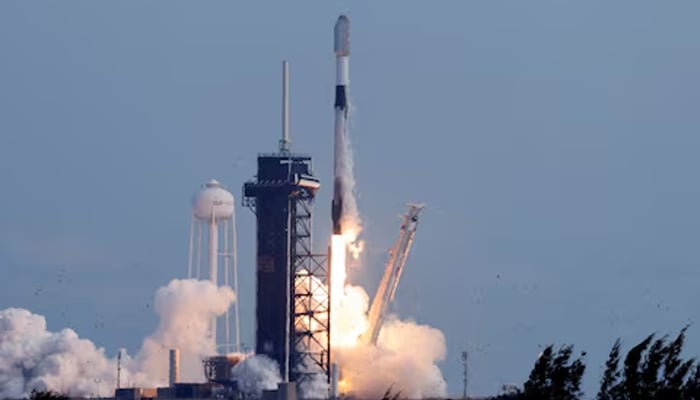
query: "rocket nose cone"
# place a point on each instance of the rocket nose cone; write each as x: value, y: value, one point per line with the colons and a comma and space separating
x: 341, y: 34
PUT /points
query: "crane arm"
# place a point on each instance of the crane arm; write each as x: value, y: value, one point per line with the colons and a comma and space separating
x: 392, y: 273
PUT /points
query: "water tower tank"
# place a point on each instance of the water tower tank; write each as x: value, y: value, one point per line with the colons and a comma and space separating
x: 213, y: 202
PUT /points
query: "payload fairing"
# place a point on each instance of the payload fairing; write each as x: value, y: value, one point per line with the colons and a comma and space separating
x: 341, y: 47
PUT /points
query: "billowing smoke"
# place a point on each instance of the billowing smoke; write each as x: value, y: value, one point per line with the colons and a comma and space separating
x: 33, y: 358
x: 185, y: 308
x: 315, y: 388
x: 256, y: 373
x: 404, y: 359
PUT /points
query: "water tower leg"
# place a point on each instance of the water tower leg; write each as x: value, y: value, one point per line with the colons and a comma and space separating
x: 227, y: 261
x: 213, y: 268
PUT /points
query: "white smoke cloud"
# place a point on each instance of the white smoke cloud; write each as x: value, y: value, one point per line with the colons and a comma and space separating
x: 405, y: 358
x: 31, y: 357
x: 185, y: 308
x: 411, y: 351
x: 256, y: 373
x: 315, y: 388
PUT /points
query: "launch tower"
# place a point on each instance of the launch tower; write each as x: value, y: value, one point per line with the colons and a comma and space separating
x: 292, y: 297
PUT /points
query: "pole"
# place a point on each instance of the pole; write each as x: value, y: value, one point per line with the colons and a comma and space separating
x: 465, y: 358
x: 119, y: 368
x: 284, y: 142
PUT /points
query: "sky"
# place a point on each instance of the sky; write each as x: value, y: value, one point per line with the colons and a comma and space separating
x: 554, y: 143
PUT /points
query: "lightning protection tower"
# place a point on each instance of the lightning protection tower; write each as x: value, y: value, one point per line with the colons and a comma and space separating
x: 213, y: 228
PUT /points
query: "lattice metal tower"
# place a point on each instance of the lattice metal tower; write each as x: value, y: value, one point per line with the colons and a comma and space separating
x: 292, y: 297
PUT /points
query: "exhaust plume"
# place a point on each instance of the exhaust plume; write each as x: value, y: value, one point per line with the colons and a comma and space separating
x: 350, y: 220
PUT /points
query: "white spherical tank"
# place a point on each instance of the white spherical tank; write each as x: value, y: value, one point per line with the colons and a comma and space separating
x: 213, y: 202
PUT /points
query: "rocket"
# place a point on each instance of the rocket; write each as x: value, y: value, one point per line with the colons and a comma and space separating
x: 341, y: 39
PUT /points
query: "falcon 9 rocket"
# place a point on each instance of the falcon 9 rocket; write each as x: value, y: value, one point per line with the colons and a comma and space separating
x: 341, y: 34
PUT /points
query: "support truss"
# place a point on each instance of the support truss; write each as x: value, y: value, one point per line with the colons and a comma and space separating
x: 310, y: 293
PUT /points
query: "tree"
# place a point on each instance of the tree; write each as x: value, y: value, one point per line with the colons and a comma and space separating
x: 653, y: 370
x: 611, y: 376
x: 555, y: 376
x: 692, y: 386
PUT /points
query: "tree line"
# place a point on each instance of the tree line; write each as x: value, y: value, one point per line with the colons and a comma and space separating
x: 651, y: 370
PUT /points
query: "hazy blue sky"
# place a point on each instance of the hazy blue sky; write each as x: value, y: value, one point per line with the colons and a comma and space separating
x: 555, y: 144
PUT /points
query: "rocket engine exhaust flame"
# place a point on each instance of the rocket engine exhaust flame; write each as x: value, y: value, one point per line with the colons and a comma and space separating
x: 338, y: 273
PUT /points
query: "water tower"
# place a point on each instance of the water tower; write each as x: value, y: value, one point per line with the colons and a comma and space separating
x: 213, y: 228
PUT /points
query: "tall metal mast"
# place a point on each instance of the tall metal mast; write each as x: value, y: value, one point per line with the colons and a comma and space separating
x: 465, y: 376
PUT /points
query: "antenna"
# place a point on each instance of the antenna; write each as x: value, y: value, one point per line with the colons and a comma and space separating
x: 119, y: 368
x: 284, y: 142
x: 465, y: 358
